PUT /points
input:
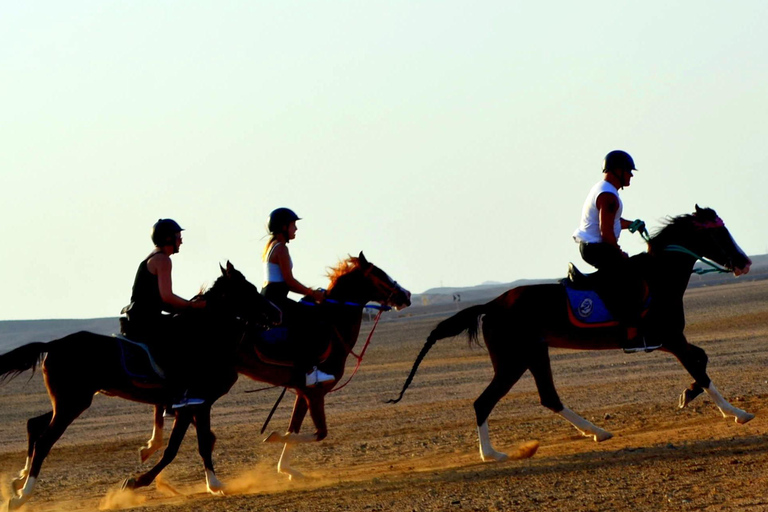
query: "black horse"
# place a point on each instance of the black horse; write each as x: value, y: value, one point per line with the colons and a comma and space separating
x: 78, y: 366
x: 520, y: 325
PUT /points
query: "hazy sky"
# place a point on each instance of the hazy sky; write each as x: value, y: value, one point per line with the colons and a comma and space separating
x: 452, y: 141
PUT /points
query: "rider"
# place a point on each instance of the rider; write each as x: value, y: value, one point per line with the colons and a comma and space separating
x: 152, y: 296
x: 598, y: 238
x: 279, y: 280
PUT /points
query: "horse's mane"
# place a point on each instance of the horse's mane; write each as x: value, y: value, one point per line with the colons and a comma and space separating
x: 672, y: 226
x: 343, y: 268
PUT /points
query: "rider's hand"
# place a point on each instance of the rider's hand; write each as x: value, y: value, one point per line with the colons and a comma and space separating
x: 318, y: 295
x: 197, y: 304
x: 636, y: 225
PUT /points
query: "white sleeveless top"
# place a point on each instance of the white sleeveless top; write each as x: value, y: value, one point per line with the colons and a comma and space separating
x: 589, y: 227
x: 272, y: 273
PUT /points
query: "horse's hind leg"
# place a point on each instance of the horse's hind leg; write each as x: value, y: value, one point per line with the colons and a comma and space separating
x: 205, y: 441
x: 541, y: 370
x: 35, y: 427
x: 180, y: 426
x: 156, y: 441
x: 63, y: 415
x: 502, y: 382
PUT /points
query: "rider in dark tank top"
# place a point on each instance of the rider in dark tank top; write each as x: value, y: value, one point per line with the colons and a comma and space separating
x: 153, y: 295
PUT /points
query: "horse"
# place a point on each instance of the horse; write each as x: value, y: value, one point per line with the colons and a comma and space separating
x: 354, y: 282
x: 520, y: 325
x: 79, y: 365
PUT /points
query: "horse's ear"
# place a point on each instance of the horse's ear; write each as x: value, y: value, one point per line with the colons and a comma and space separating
x: 362, y: 259
x: 223, y: 270
x: 230, y: 267
x: 698, y: 210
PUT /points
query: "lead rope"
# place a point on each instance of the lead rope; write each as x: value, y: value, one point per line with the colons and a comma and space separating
x: 362, y: 352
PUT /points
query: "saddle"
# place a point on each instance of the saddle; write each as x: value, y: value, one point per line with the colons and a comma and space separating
x: 277, y: 346
x: 586, y: 308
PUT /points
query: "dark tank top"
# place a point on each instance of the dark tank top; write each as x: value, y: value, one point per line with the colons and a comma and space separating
x: 145, y: 297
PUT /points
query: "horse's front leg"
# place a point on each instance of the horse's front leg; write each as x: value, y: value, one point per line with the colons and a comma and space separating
x: 694, y: 359
x: 156, y: 441
x: 205, y: 442
x: 180, y: 426
x: 293, y: 437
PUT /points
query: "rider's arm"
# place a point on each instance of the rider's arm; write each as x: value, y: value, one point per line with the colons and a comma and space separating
x: 161, y: 266
x: 281, y: 256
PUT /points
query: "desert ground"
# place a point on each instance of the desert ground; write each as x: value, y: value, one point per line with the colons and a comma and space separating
x: 422, y: 455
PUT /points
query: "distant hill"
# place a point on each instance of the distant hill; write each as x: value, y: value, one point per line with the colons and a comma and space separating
x: 14, y: 333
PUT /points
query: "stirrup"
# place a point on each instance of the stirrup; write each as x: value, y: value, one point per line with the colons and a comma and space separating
x: 644, y: 348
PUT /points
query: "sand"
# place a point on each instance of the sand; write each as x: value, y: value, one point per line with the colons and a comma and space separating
x: 422, y: 454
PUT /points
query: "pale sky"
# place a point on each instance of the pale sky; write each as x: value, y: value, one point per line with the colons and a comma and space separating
x: 452, y: 141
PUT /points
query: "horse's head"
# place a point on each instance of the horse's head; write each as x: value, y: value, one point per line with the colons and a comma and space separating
x: 704, y: 233
x: 233, y: 294
x: 359, y: 280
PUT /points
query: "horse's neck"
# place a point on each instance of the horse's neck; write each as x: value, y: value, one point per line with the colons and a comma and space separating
x: 346, y: 319
x: 672, y: 273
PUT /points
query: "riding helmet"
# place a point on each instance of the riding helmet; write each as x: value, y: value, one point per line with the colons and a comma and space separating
x: 280, y: 218
x: 164, y: 231
x: 620, y: 159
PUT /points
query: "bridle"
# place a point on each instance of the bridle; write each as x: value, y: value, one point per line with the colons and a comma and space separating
x: 705, y: 226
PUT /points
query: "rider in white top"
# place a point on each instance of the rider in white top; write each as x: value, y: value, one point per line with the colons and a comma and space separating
x: 598, y: 238
x: 279, y: 280
x: 589, y: 227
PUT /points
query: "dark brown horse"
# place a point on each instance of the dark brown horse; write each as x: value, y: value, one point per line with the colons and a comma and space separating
x: 520, y: 325
x: 78, y: 366
x: 354, y: 283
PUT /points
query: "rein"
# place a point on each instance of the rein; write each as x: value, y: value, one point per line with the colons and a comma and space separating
x: 700, y: 271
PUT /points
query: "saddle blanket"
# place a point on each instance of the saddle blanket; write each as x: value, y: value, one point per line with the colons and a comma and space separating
x: 587, y: 309
x: 137, y: 360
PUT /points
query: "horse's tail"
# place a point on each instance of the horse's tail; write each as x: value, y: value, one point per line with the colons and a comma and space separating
x: 465, y: 320
x: 19, y: 360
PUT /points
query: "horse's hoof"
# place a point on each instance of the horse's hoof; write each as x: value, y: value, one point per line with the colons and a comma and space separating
x: 494, y: 456
x: 16, y: 503
x: 745, y: 418
x: 292, y: 474
x: 602, y: 436
x: 129, y: 484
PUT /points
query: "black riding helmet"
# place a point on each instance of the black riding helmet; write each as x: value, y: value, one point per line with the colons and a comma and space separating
x: 164, y: 231
x: 620, y: 159
x: 279, y: 219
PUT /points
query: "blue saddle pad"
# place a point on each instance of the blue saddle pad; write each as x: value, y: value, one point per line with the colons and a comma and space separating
x: 587, y: 307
